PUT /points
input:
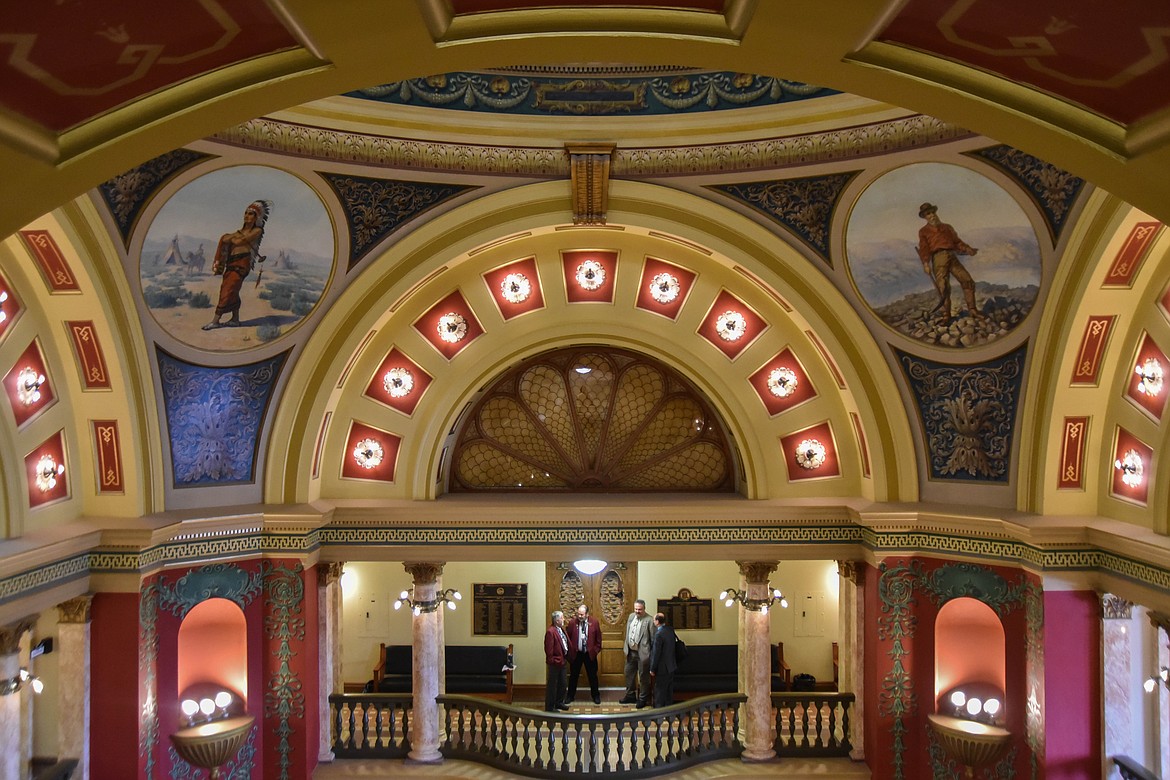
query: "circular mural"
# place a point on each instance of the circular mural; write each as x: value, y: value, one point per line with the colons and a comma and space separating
x: 237, y: 258
x: 943, y: 255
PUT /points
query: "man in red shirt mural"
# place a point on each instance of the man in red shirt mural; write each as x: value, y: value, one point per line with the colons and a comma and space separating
x: 939, y: 247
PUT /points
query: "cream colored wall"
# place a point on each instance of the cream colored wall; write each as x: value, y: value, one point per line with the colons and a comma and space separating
x: 45, y: 714
x: 372, y: 587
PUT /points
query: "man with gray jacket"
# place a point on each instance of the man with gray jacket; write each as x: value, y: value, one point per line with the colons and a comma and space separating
x: 639, y: 633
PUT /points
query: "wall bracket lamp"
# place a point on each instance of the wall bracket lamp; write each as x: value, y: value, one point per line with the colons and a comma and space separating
x: 25, y: 678
x: 731, y: 596
x: 448, y: 596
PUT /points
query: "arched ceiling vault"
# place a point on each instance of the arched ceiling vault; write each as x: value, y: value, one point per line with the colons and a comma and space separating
x: 305, y: 51
x: 727, y: 252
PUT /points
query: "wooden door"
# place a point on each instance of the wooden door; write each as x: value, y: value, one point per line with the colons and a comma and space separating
x: 610, y: 595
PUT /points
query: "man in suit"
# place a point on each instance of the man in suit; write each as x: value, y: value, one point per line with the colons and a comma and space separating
x: 638, y: 637
x: 584, y: 646
x: 662, y: 661
x: 556, y: 653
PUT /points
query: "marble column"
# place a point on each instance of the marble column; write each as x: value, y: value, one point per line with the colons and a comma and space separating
x: 329, y: 647
x: 427, y: 644
x: 1117, y: 642
x: 851, y: 658
x: 12, y: 707
x: 758, y: 742
x: 73, y: 681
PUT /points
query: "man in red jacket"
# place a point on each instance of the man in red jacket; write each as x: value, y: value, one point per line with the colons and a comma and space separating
x: 556, y: 653
x: 584, y: 646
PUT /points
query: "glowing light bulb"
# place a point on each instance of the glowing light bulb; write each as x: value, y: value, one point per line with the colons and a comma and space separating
x: 206, y: 706
x: 991, y: 706
x: 958, y: 698
x: 223, y: 699
x: 189, y: 707
x: 37, y: 685
x: 974, y: 706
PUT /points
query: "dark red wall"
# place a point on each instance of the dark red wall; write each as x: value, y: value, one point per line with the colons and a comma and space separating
x: 1072, y: 684
x: 114, y: 690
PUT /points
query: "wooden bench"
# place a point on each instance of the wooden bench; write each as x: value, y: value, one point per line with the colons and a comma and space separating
x: 476, y: 670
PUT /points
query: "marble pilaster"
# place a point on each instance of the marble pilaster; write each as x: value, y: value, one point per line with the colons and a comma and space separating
x: 12, y: 707
x: 1117, y: 639
x: 758, y: 744
x: 73, y: 681
x: 851, y: 629
x: 329, y: 647
x: 427, y: 644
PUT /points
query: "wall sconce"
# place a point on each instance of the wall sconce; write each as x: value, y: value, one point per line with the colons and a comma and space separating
x: 782, y: 382
x: 47, y: 472
x: 419, y: 607
x: 731, y: 595
x: 1131, y: 467
x: 982, y: 703
x: 398, y: 382
x: 206, y: 709
x: 810, y: 454
x: 1150, y: 371
x: 28, y: 385
x: 589, y: 566
x: 452, y: 327
x: 14, y: 684
x: 1152, y: 681
x: 368, y: 453
x: 3, y: 298
x: 731, y: 325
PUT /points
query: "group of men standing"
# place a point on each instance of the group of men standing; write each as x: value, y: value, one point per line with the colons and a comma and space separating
x: 650, y: 660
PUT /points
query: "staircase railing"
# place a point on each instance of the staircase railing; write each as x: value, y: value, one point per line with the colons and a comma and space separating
x: 370, y: 725
x: 1132, y: 770
x: 641, y: 743
x: 812, y: 724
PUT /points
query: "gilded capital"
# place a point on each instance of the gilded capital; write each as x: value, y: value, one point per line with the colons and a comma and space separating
x: 328, y: 573
x: 1115, y: 607
x: 850, y: 570
x: 757, y: 571
x: 424, y: 573
x: 10, y: 634
x: 75, y: 610
x: 1160, y: 621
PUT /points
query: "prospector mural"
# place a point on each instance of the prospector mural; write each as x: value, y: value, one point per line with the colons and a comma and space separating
x: 943, y: 255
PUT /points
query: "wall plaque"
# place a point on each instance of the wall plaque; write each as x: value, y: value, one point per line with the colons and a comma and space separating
x: 687, y: 611
x: 499, y: 609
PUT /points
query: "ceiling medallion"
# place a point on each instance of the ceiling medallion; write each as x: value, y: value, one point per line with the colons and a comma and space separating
x: 28, y: 385
x: 664, y: 288
x: 47, y: 472
x: 398, y: 382
x: 810, y: 454
x: 591, y: 275
x: 730, y: 326
x: 368, y: 453
x: 782, y: 382
x: 452, y: 327
x: 1131, y: 467
x: 516, y: 288
x: 1150, y: 372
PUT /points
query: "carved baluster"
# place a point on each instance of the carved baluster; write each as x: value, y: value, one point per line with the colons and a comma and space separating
x: 845, y: 742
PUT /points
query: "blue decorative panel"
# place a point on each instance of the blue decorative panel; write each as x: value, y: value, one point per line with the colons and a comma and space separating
x: 1053, y: 190
x: 125, y: 195
x: 214, y: 417
x: 598, y: 92
x: 218, y: 580
x: 968, y: 414
x: 375, y: 208
x: 804, y: 206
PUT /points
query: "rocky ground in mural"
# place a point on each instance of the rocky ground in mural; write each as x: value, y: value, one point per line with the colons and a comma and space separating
x: 1002, y: 308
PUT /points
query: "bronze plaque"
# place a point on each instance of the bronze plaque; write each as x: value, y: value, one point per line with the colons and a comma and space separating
x: 500, y: 609
x: 686, y: 611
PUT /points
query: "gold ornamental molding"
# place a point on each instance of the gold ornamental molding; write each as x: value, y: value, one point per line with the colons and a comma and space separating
x: 300, y: 140
x: 328, y: 573
x: 11, y: 633
x: 757, y: 572
x: 75, y: 610
x: 424, y: 573
x: 589, y: 168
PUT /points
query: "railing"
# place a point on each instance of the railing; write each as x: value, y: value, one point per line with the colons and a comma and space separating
x: 370, y: 725
x: 644, y: 743
x: 812, y: 724
x: 1132, y: 770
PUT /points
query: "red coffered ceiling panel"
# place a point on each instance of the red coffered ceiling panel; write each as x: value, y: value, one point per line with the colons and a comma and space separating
x: 62, y: 63
x: 515, y: 288
x: 450, y: 325
x: 1110, y: 57
x: 485, y: 6
x: 26, y: 386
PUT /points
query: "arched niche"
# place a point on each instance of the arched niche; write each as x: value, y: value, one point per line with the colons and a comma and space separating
x: 213, y: 648
x: 969, y: 648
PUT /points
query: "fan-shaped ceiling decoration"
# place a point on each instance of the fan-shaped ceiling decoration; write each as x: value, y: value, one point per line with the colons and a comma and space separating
x: 592, y: 419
